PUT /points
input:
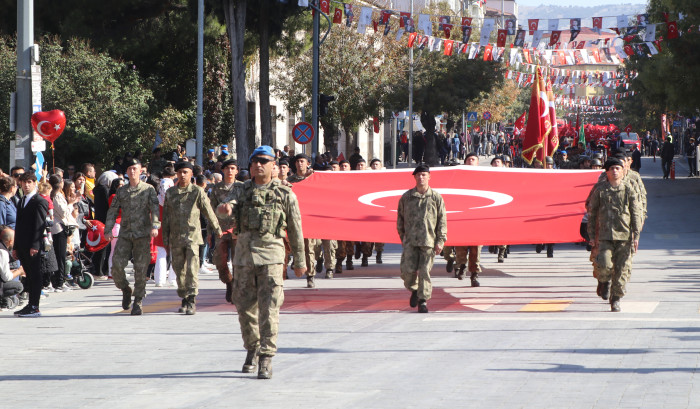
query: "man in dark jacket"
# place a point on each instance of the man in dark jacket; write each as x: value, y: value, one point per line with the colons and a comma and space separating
x: 667, y: 153
x: 636, y: 159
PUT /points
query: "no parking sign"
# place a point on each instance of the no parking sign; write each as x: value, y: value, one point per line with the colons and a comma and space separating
x: 303, y: 133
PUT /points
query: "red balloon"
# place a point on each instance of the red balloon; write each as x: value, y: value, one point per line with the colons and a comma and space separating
x: 95, y: 239
x: 49, y: 125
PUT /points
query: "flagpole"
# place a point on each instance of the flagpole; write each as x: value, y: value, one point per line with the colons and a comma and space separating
x: 410, y: 98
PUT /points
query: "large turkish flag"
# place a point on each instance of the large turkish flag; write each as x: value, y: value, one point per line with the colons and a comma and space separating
x: 484, y: 205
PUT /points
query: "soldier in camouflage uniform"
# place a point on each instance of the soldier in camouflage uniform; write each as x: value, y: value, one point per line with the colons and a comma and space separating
x: 422, y: 226
x: 615, y: 220
x: 182, y: 232
x: 225, y: 246
x: 138, y: 203
x: 264, y: 210
x: 501, y: 250
x: 311, y: 246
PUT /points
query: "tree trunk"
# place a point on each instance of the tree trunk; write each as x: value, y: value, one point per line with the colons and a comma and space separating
x: 234, y: 13
x: 430, y: 156
x: 349, y: 141
x: 264, y: 85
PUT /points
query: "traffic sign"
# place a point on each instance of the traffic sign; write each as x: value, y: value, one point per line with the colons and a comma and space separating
x: 303, y: 133
x: 472, y: 116
x: 487, y: 116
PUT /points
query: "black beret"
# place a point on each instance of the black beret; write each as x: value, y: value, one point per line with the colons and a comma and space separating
x: 334, y: 162
x: 549, y: 160
x: 132, y: 162
x: 283, y: 162
x: 302, y: 156
x: 182, y: 165
x: 612, y: 162
x: 374, y: 160
x: 229, y: 162
x: 421, y: 168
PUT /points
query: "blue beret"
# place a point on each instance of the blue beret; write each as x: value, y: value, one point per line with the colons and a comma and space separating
x: 210, y: 150
x: 224, y: 152
x: 224, y: 146
x: 563, y: 152
x: 262, y: 150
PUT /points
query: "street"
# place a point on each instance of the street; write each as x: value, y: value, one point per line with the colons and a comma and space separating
x: 534, y: 335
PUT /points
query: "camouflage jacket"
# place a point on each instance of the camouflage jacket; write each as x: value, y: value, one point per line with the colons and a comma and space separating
x: 421, y: 219
x: 222, y: 193
x: 264, y: 214
x: 139, y: 206
x: 633, y: 179
x: 614, y: 213
x: 295, y: 178
x: 181, y: 211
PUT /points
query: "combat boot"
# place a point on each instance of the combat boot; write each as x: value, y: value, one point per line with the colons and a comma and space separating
x: 136, y: 309
x: 339, y: 266
x: 605, y: 290
x: 319, y: 265
x: 191, y: 307
x: 449, y: 266
x: 348, y: 263
x: 126, y: 298
x: 379, y: 257
x: 413, y: 301
x: 501, y: 252
x: 229, y: 292
x: 538, y: 248
x: 550, y: 250
x: 183, y: 305
x: 365, y: 262
x: 265, y: 367
x: 358, y: 251
x: 422, y: 306
x: 310, y: 282
x: 329, y: 273
x: 460, y: 274
x: 251, y: 361
x: 475, y: 280
x: 615, y: 303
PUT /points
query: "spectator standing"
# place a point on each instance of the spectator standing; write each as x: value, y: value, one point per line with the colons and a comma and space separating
x: 667, y: 154
x: 31, y: 225
x: 8, y: 211
x: 636, y: 159
x: 691, y: 155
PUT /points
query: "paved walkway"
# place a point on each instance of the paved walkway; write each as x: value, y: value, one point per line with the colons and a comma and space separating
x: 533, y: 336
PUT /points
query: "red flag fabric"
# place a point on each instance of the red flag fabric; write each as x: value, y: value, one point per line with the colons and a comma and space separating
x: 411, y: 39
x: 341, y: 157
x: 488, y: 52
x: 466, y: 21
x: 403, y: 18
x: 553, y: 137
x: 598, y: 23
x: 532, y: 24
x: 447, y: 28
x: 538, y: 122
x: 671, y: 30
x: 338, y: 16
x: 484, y: 205
x: 501, y: 41
x: 326, y: 6
x: 449, y: 46
x: 519, y: 124
x: 95, y: 240
x: 554, y: 38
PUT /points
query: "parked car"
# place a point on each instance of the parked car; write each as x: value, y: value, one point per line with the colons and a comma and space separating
x: 631, y: 139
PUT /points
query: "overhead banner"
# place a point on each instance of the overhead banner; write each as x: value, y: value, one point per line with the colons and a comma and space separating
x: 484, y: 205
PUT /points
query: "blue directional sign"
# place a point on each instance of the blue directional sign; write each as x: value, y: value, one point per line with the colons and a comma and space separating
x: 472, y: 116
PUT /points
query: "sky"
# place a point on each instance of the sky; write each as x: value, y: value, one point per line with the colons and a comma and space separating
x: 573, y: 2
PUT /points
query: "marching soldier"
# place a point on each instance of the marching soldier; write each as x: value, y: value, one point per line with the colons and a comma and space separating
x: 225, y: 246
x: 497, y: 162
x: 265, y: 210
x: 615, y: 220
x: 422, y: 226
x: 138, y: 203
x: 182, y: 235
x: 302, y: 166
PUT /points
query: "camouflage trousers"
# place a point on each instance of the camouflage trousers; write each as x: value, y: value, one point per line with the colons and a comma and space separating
x: 593, y: 257
x: 367, y: 248
x: 416, y: 263
x: 470, y: 255
x: 310, y: 248
x: 329, y: 248
x: 185, y: 259
x: 614, y: 262
x: 225, y: 247
x: 258, y: 294
x: 140, y: 250
x: 344, y: 248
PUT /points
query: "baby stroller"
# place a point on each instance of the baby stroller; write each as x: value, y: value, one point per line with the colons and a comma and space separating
x: 82, y: 270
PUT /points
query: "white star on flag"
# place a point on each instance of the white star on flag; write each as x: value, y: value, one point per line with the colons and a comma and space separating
x: 57, y: 127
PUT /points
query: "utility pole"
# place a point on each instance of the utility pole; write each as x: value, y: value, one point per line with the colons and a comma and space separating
x: 22, y: 154
x: 199, y: 150
x: 314, y: 78
x: 410, y: 98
